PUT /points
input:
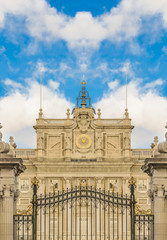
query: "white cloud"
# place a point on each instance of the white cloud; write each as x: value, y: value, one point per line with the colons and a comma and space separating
x: 147, y: 109
x: 83, y: 31
x: 53, y: 84
x: 122, y: 23
x: 2, y: 50
x: 64, y: 67
x: 41, y: 69
x: 19, y: 109
x: 83, y: 61
x: 114, y: 84
x: 11, y: 83
x: 164, y: 49
x: 83, y: 67
x: 154, y: 84
x: 125, y: 67
x: 103, y: 67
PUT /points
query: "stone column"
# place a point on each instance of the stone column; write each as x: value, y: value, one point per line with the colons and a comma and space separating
x: 10, y: 168
x: 156, y: 168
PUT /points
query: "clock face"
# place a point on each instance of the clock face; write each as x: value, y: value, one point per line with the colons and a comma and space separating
x: 83, y: 141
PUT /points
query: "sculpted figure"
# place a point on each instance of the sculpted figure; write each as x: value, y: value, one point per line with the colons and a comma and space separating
x: 40, y: 142
x: 4, y: 147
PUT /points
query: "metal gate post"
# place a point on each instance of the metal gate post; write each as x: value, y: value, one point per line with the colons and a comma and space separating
x: 35, y: 183
x: 132, y: 206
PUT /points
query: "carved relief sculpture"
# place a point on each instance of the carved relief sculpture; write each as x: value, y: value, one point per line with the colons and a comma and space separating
x: 24, y: 185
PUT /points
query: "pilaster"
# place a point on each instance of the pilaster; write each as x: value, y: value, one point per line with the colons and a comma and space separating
x: 10, y: 168
x: 156, y: 168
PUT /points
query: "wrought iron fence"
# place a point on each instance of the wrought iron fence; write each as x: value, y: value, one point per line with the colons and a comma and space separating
x: 83, y: 213
x: 22, y: 229
x: 144, y: 227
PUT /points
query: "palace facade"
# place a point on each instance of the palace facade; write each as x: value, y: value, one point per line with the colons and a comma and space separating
x: 81, y: 150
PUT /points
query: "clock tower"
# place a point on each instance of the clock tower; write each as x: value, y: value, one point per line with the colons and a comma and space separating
x: 84, y: 137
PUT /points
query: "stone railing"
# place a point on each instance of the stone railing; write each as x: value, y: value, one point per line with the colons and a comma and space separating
x: 57, y: 121
x: 141, y: 152
x: 112, y: 121
x: 135, y: 152
x: 25, y: 152
x: 109, y: 121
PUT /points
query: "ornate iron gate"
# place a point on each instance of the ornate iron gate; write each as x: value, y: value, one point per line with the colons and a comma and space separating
x: 82, y: 213
x: 22, y: 227
x: 144, y: 227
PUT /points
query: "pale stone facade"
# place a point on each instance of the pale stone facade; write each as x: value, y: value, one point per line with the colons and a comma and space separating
x: 10, y: 168
x: 156, y: 168
x: 80, y: 148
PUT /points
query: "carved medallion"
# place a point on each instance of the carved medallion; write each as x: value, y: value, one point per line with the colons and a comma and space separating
x: 83, y: 121
x: 83, y: 141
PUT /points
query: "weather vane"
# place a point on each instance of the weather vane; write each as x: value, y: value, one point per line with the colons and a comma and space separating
x: 83, y: 82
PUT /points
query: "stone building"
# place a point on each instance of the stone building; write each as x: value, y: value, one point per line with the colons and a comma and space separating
x: 83, y: 149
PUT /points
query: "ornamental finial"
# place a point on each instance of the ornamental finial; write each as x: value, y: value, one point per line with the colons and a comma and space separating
x: 83, y: 82
x: 132, y: 181
x: 86, y: 182
x: 95, y: 183
x: 112, y: 188
x: 121, y: 189
x: 35, y: 181
x: 83, y: 99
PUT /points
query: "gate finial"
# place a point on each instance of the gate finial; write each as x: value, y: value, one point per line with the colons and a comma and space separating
x: 35, y: 181
x: 132, y: 181
x: 121, y: 190
x: 95, y: 182
x: 112, y: 188
x: 62, y: 185
x: 54, y: 188
x: 71, y: 184
x: 104, y: 185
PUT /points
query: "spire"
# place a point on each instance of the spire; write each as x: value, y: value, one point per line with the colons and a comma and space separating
x: 126, y: 109
x: 40, y: 110
x: 83, y: 83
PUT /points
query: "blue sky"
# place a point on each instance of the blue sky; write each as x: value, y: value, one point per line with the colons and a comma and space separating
x: 67, y: 39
